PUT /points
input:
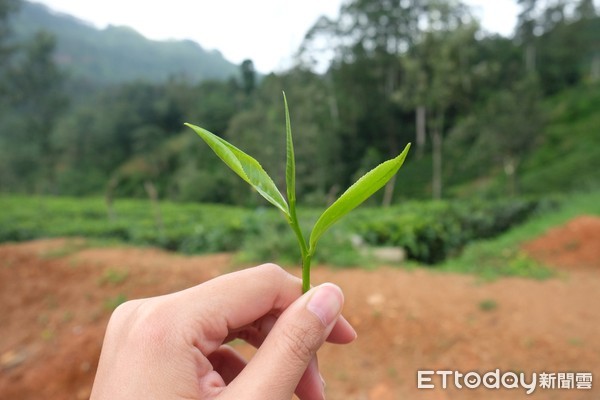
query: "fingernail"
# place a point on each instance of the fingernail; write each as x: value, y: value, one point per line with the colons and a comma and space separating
x: 326, y: 303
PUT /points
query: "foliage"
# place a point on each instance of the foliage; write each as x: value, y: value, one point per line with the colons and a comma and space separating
x: 189, y: 228
x: 29, y: 110
x: 248, y: 168
x: 400, y: 71
x: 113, y: 276
x: 433, y: 231
x: 504, y: 130
x: 275, y: 241
x: 502, y: 256
x: 429, y: 231
x: 488, y: 305
x: 568, y: 158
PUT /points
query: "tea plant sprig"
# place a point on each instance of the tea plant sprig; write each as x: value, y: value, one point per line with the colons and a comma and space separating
x: 252, y: 172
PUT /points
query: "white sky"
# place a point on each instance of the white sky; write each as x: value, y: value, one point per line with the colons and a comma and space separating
x: 266, y: 31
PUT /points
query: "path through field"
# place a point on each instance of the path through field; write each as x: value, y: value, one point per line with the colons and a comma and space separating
x: 56, y: 296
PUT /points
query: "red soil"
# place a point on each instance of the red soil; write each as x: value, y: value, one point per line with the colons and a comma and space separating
x: 55, y: 295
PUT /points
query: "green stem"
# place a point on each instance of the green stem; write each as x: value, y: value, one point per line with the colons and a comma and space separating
x: 306, y: 273
x: 306, y: 256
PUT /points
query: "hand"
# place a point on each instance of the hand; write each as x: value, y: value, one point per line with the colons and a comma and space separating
x: 171, y: 347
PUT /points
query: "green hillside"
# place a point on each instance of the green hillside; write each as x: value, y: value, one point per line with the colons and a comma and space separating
x: 491, y: 124
x: 569, y: 156
x: 119, y: 54
x: 566, y: 156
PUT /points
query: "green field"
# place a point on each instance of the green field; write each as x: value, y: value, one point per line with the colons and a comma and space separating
x: 477, y: 236
x: 503, y: 256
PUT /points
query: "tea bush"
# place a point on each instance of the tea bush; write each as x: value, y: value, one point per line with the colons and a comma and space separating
x: 428, y: 231
x: 433, y: 231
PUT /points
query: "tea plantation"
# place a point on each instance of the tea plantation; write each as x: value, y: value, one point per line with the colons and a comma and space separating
x: 430, y: 232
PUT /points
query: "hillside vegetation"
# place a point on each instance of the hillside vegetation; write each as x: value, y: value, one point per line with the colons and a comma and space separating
x: 565, y: 158
x: 118, y: 54
x: 428, y: 231
x: 489, y: 117
x: 568, y: 157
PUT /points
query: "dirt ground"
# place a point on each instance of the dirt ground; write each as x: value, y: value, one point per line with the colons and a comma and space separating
x: 56, y: 297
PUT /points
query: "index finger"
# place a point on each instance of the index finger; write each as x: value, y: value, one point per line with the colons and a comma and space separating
x: 234, y: 300
x: 213, y: 309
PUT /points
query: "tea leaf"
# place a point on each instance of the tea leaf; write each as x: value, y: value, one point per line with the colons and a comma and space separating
x: 361, y: 190
x: 245, y: 166
x: 290, y: 179
x: 290, y: 167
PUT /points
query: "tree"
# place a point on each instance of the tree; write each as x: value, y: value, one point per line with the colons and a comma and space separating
x: 393, y: 59
x: 526, y: 31
x: 585, y: 10
x: 248, y: 76
x: 260, y: 130
x: 439, y: 75
x: 367, y: 40
x: 559, y: 41
x: 504, y: 130
x: 7, y: 7
x: 34, y: 100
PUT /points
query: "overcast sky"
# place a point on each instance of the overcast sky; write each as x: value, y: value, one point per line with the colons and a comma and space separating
x: 266, y: 31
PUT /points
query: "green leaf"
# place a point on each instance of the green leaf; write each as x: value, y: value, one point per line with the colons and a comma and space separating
x: 290, y: 167
x: 245, y: 166
x: 361, y: 190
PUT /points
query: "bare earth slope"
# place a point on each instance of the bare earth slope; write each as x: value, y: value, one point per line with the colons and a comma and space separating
x: 56, y: 296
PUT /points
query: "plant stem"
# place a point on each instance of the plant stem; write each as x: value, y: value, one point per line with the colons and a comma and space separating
x: 306, y: 256
x: 306, y: 272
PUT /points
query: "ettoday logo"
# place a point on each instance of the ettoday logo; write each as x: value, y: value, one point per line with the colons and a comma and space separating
x: 508, y: 380
x: 472, y: 380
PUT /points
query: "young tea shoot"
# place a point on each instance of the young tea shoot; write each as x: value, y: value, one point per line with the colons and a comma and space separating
x: 252, y: 172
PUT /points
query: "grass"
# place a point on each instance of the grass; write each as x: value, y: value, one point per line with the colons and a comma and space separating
x: 111, y: 303
x: 189, y: 228
x: 70, y: 247
x: 569, y: 156
x: 488, y: 305
x: 428, y: 231
x: 502, y: 256
x: 113, y: 276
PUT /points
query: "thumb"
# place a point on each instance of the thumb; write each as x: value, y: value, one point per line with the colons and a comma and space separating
x: 275, y: 370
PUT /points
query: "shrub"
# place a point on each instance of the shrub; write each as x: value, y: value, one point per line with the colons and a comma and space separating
x: 429, y: 231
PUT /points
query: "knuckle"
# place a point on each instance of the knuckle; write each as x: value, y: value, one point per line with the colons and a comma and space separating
x: 277, y: 275
x: 144, y: 321
x: 300, y: 343
x: 273, y: 270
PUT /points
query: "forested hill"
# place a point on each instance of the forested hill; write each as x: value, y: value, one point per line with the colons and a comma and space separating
x: 489, y: 116
x: 119, y: 54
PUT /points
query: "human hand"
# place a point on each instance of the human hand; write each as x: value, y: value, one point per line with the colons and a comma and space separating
x: 171, y: 347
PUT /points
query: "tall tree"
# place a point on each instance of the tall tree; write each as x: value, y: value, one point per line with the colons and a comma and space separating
x: 367, y: 40
x: 248, y: 76
x: 526, y: 32
x: 35, y: 99
x: 7, y: 7
x: 585, y: 9
x: 438, y: 75
x: 504, y: 130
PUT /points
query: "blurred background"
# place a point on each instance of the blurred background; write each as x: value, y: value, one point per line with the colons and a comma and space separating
x: 500, y: 100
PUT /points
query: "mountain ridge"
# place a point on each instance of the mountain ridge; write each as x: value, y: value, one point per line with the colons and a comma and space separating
x: 118, y: 54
